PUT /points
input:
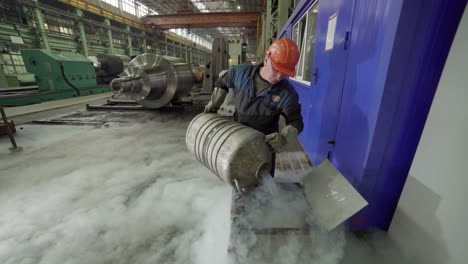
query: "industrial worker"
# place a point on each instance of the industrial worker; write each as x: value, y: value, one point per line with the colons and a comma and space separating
x: 263, y: 93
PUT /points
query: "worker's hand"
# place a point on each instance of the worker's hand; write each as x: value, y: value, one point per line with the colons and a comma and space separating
x: 217, y: 99
x: 209, y: 108
x: 277, y: 140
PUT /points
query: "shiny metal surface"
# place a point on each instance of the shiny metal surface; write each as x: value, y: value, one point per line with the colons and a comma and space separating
x: 154, y: 81
x: 332, y: 197
x: 106, y: 64
x: 237, y: 154
x: 96, y: 62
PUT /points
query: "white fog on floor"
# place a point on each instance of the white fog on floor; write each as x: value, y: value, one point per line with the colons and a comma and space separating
x: 132, y: 193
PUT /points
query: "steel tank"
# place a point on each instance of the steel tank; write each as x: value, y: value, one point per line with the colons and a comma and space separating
x: 237, y: 154
x: 154, y: 81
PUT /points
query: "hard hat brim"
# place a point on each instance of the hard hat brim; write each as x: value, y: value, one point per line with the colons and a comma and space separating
x: 285, y: 70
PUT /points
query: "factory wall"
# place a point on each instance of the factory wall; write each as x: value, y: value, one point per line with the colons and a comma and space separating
x: 430, y: 222
x: 367, y: 88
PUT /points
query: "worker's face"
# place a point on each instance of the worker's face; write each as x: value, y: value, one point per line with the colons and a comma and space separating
x: 271, y: 73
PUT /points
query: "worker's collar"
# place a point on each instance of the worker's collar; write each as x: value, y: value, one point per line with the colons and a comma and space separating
x: 256, y: 68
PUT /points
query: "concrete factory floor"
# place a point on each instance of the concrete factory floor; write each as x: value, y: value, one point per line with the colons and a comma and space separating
x: 121, y: 187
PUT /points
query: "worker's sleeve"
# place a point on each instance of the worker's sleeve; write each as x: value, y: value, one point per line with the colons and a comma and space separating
x: 226, y: 80
x: 292, y: 113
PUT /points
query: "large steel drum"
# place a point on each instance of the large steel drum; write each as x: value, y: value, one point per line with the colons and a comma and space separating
x: 154, y: 81
x: 237, y: 154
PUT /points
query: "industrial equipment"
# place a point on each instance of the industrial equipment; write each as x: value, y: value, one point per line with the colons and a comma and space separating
x: 237, y: 154
x: 108, y: 67
x: 218, y: 62
x: 155, y: 81
x: 59, y: 70
x: 59, y: 75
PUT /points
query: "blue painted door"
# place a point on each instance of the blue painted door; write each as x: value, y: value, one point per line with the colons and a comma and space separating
x: 321, y: 108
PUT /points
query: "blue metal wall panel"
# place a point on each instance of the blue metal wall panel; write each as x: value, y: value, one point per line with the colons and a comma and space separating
x: 383, y: 116
x: 325, y: 101
x: 321, y: 101
x: 372, y: 38
x: 396, y: 55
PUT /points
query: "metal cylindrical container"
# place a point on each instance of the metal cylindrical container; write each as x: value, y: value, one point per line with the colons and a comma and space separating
x: 237, y: 154
x: 154, y: 81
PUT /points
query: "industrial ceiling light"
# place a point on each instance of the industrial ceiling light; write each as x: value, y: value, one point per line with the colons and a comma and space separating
x: 238, y: 7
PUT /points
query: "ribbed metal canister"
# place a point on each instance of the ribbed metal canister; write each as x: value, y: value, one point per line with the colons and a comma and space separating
x: 237, y: 154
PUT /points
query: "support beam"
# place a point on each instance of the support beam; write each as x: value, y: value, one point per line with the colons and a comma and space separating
x: 110, y: 42
x: 82, y: 33
x: 129, y: 46
x: 267, y: 25
x: 283, y: 13
x: 145, y: 49
x: 203, y: 20
x: 42, y: 30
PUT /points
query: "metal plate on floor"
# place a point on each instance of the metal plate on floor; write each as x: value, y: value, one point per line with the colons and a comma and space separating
x: 331, y: 196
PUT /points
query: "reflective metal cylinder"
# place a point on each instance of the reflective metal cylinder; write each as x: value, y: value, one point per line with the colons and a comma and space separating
x: 107, y: 64
x: 154, y: 81
x: 237, y: 154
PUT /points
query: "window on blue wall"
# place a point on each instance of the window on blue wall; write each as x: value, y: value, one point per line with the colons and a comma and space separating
x: 304, y: 34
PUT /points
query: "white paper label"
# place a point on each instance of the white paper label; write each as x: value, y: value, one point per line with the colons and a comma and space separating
x: 16, y: 40
x: 331, y: 32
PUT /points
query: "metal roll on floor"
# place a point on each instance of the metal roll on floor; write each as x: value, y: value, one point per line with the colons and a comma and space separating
x: 154, y: 81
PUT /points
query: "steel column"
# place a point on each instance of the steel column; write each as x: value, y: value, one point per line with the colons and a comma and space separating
x: 119, y: 3
x: 283, y: 13
x: 3, y: 80
x: 82, y: 33
x: 267, y: 24
x: 165, y: 45
x: 42, y: 30
x: 110, y: 42
x: 129, y: 42
x: 145, y: 50
x: 191, y: 54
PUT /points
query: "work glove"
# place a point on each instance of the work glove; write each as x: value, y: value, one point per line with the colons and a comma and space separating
x: 277, y: 140
x: 217, y: 99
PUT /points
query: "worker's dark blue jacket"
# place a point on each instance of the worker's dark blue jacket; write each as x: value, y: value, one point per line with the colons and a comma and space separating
x: 262, y: 112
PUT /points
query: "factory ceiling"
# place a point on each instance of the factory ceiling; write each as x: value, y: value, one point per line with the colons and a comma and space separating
x: 203, y: 20
x: 240, y: 31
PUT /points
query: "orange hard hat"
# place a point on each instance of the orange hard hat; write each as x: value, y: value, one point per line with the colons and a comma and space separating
x: 284, y: 55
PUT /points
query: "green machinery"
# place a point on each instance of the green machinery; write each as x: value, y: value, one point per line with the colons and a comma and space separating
x: 59, y: 75
x: 57, y: 71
